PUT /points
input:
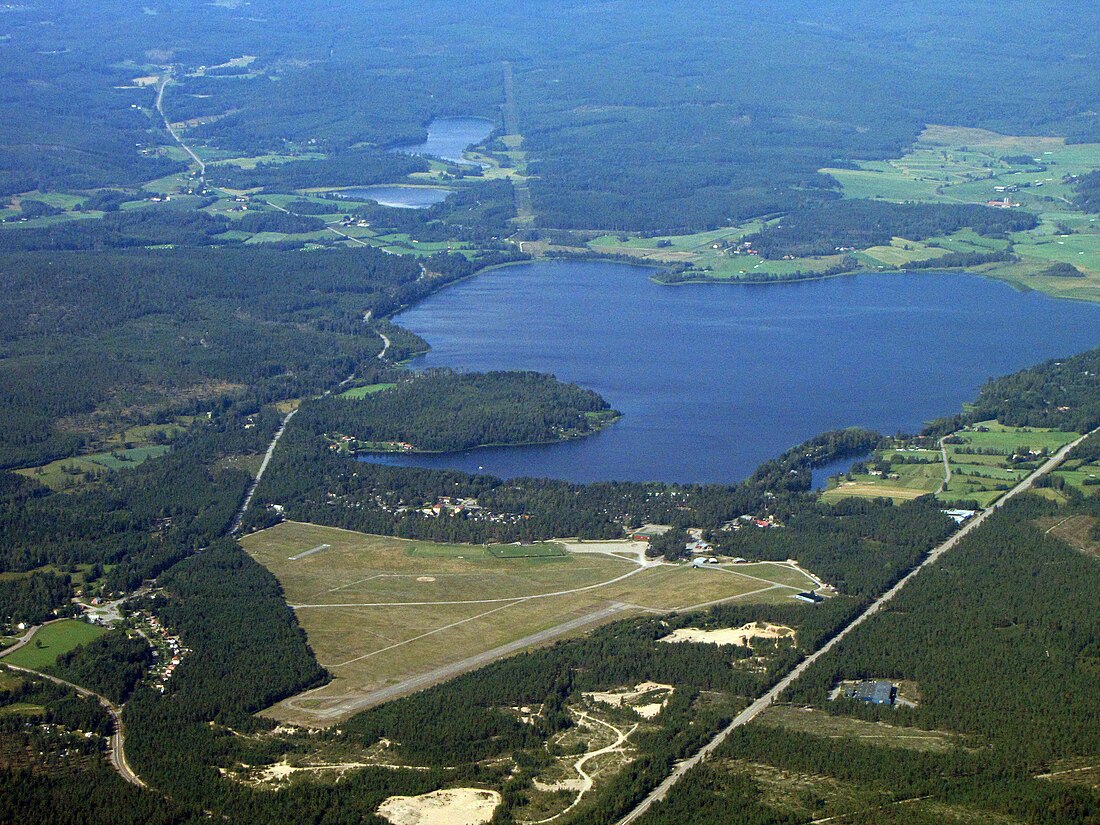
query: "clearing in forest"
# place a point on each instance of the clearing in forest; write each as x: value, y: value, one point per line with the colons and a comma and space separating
x: 388, y: 616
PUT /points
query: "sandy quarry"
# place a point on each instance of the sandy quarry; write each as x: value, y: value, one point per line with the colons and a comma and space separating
x: 729, y: 636
x: 624, y: 696
x: 452, y: 806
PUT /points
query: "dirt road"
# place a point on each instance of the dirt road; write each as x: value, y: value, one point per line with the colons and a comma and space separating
x: 239, y: 518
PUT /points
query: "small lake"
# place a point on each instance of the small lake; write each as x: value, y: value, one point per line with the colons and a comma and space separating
x: 402, y: 197
x: 715, y: 379
x: 449, y: 137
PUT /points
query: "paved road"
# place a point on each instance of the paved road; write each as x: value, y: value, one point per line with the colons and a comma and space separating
x: 118, y: 738
x: 239, y: 518
x: 761, y: 704
x: 161, y: 86
x: 441, y: 674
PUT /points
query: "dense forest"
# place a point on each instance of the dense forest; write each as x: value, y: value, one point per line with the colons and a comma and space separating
x: 1062, y: 393
x: 857, y: 224
x: 312, y: 484
x: 1000, y: 639
x: 141, y: 520
x: 105, y: 340
x: 32, y: 599
x: 111, y: 665
x: 441, y: 410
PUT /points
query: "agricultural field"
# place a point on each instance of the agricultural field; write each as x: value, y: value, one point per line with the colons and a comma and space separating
x: 946, y: 165
x: 986, y: 460
x: 390, y: 616
x: 53, y: 640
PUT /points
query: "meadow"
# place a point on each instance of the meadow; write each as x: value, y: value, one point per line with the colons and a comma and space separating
x: 389, y: 616
x: 53, y: 640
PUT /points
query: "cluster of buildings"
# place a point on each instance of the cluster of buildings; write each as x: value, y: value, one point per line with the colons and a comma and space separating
x: 168, y: 651
x: 747, y: 520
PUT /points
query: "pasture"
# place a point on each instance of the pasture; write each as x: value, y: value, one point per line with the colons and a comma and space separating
x: 53, y: 640
x: 389, y: 616
x: 987, y: 460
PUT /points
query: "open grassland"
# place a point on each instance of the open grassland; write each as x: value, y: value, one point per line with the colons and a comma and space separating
x: 956, y: 165
x: 1076, y: 531
x: 388, y: 616
x: 369, y: 389
x: 53, y: 640
x: 820, y: 723
x: 66, y: 472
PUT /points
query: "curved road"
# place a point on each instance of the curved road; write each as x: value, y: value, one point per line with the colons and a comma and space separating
x: 761, y: 704
x: 162, y: 84
x: 118, y: 738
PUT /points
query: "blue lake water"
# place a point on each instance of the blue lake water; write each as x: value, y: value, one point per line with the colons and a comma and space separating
x: 714, y: 379
x: 449, y: 137
x: 403, y: 197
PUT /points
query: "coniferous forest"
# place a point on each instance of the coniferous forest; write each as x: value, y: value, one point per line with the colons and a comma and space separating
x: 196, y: 289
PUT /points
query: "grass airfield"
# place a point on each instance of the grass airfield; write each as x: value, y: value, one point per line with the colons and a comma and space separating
x: 388, y: 616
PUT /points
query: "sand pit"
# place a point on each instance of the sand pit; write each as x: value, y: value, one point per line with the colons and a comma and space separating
x: 729, y: 636
x: 425, y: 578
x: 625, y: 697
x: 452, y: 806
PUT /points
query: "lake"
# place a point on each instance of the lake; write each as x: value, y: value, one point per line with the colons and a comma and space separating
x: 715, y: 379
x: 402, y: 197
x: 449, y: 137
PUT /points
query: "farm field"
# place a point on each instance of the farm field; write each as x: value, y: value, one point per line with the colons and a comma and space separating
x: 986, y: 459
x: 55, y: 639
x: 389, y: 616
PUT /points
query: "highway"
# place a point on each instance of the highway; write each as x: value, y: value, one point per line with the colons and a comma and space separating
x: 761, y: 704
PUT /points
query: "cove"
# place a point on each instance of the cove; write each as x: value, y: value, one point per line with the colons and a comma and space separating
x: 449, y: 137
x: 715, y: 379
x: 401, y: 197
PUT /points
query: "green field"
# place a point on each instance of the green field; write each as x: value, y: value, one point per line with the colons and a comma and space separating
x: 956, y: 165
x: 381, y: 611
x: 975, y: 476
x: 66, y: 472
x: 369, y: 389
x: 53, y: 640
x: 527, y: 551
